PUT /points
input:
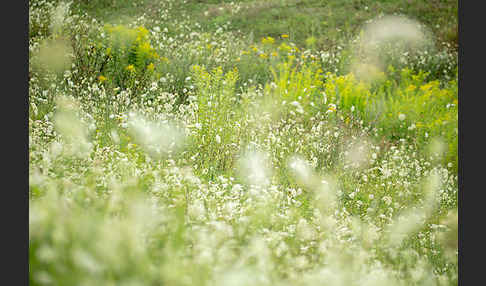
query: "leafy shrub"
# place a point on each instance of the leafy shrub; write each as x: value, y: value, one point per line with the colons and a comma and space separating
x: 411, y: 107
x: 130, y: 59
x: 295, y: 83
x: 216, y: 111
x: 348, y: 93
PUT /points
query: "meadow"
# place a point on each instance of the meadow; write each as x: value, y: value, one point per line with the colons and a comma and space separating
x: 270, y: 142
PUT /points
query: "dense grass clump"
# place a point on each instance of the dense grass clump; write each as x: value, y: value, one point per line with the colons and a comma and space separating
x: 168, y: 148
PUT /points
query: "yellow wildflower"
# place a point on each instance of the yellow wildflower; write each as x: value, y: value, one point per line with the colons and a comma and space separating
x: 411, y: 88
x: 101, y: 78
x: 264, y: 56
x: 151, y: 67
x: 268, y: 40
x: 427, y: 86
x: 130, y: 68
x: 332, y: 108
x: 285, y: 36
x: 142, y: 32
x: 274, y: 54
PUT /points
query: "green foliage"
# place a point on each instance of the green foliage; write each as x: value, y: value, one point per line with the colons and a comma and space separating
x: 293, y: 83
x: 411, y: 108
x: 129, y: 57
x: 216, y: 113
x: 348, y: 93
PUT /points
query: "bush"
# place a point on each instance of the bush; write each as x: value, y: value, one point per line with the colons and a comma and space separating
x: 411, y: 107
x: 129, y: 58
x: 297, y: 84
x: 217, y: 109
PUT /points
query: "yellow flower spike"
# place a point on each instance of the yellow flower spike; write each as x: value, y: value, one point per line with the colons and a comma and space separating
x: 151, y: 67
x: 285, y: 36
x: 426, y: 87
x: 264, y: 56
x: 142, y: 31
x: 411, y: 88
x: 268, y: 40
x: 130, y: 68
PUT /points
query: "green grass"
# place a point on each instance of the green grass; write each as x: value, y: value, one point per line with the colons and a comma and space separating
x: 328, y: 21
